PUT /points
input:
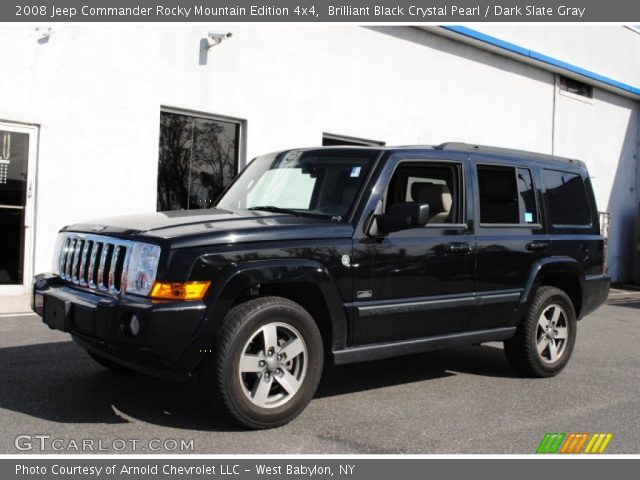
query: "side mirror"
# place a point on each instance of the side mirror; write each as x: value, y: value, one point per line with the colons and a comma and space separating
x: 403, y: 216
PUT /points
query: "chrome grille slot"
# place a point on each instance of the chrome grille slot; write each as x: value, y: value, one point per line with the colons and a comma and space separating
x: 75, y: 264
x: 69, y: 257
x: 82, y: 273
x: 105, y: 265
x: 112, y: 268
x: 95, y: 262
x: 63, y: 257
x: 91, y: 273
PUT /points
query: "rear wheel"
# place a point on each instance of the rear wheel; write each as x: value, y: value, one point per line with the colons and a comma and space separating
x: 267, y: 363
x: 545, y: 338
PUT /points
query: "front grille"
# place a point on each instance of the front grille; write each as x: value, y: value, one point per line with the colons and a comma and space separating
x: 94, y: 261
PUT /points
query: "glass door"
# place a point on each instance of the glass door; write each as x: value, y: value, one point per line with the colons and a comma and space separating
x: 17, y: 146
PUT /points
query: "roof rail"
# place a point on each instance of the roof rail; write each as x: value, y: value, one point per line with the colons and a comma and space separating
x: 468, y: 147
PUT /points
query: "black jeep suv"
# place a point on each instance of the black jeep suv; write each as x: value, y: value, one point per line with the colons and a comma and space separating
x: 343, y: 254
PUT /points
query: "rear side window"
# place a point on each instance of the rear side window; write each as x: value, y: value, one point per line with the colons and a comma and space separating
x: 507, y: 195
x: 566, y: 198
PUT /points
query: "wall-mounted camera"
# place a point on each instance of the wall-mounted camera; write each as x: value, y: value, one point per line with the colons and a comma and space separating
x: 214, y: 38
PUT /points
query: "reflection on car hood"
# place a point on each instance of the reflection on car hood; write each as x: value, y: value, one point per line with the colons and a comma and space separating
x: 198, y: 227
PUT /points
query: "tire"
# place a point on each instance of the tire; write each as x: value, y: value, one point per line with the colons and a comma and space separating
x: 113, y: 366
x: 266, y: 364
x: 545, y: 338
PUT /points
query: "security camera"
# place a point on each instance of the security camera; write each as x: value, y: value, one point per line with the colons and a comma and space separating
x: 220, y: 35
x: 214, y: 38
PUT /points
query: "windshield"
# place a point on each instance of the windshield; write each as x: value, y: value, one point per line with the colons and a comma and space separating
x: 315, y: 183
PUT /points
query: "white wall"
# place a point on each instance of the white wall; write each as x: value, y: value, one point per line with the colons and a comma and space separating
x: 96, y: 92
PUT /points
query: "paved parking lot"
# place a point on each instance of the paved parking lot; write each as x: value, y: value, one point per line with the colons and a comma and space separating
x: 465, y: 400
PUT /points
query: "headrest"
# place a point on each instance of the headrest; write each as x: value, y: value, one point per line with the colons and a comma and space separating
x: 437, y: 196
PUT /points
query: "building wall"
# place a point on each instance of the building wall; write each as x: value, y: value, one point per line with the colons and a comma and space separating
x: 96, y: 92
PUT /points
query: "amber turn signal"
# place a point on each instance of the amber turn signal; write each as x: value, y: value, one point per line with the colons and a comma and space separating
x: 179, y: 291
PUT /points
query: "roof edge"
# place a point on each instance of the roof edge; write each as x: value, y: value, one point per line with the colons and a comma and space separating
x: 532, y: 57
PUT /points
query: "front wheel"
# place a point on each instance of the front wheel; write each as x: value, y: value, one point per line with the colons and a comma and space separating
x: 266, y: 364
x: 545, y: 338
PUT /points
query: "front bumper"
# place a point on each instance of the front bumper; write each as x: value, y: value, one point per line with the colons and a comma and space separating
x: 101, y: 324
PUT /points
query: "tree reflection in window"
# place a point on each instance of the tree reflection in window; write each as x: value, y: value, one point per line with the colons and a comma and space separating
x: 198, y: 159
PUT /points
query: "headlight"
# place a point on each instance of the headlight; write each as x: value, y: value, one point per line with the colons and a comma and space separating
x: 57, y: 252
x: 143, y: 266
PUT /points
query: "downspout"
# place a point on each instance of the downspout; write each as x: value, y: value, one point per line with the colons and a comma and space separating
x: 636, y: 264
x: 553, y: 115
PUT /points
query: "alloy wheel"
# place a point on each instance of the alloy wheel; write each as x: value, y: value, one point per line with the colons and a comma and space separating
x: 273, y: 365
x: 552, y: 333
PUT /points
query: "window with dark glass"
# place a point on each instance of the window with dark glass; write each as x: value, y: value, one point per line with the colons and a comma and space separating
x: 507, y: 195
x: 576, y: 87
x: 526, y: 196
x: 14, y: 155
x: 198, y: 160
x: 566, y: 198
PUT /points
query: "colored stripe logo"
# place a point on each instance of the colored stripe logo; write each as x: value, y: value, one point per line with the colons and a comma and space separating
x: 574, y: 443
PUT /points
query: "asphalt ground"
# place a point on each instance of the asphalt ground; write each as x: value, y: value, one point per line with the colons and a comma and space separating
x: 463, y: 400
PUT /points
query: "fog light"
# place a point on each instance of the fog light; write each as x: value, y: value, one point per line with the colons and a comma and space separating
x: 131, y: 327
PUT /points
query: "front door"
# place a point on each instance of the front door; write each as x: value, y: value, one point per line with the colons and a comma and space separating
x: 416, y: 282
x: 17, y: 149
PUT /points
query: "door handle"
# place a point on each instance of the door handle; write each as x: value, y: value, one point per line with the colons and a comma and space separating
x: 458, y: 247
x: 536, y: 246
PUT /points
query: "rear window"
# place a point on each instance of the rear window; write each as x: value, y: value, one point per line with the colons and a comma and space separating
x: 566, y: 198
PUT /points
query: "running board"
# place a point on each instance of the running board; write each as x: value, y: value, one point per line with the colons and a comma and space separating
x: 377, y: 351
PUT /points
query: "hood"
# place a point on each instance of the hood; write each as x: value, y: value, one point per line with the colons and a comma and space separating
x: 199, y: 227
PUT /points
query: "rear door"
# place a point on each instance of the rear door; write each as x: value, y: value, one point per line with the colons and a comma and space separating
x: 510, y: 236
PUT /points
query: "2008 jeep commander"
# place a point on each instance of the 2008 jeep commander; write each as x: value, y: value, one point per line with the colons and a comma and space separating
x: 351, y: 254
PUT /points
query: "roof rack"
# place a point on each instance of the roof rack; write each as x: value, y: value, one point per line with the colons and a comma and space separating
x: 468, y: 147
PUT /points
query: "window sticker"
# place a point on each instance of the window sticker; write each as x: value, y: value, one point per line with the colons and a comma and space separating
x: 528, y: 217
x: 355, y: 172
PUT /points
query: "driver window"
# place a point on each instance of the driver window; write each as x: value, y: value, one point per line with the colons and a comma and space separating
x: 433, y: 184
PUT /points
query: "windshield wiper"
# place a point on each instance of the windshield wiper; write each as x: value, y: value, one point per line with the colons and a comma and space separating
x: 272, y: 208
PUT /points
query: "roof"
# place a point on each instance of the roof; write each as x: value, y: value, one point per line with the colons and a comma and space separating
x: 467, y: 147
x: 459, y: 147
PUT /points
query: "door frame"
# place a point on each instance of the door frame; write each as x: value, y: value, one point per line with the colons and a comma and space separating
x: 29, y: 208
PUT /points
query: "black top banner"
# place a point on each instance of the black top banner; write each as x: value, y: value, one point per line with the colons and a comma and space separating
x: 380, y: 11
